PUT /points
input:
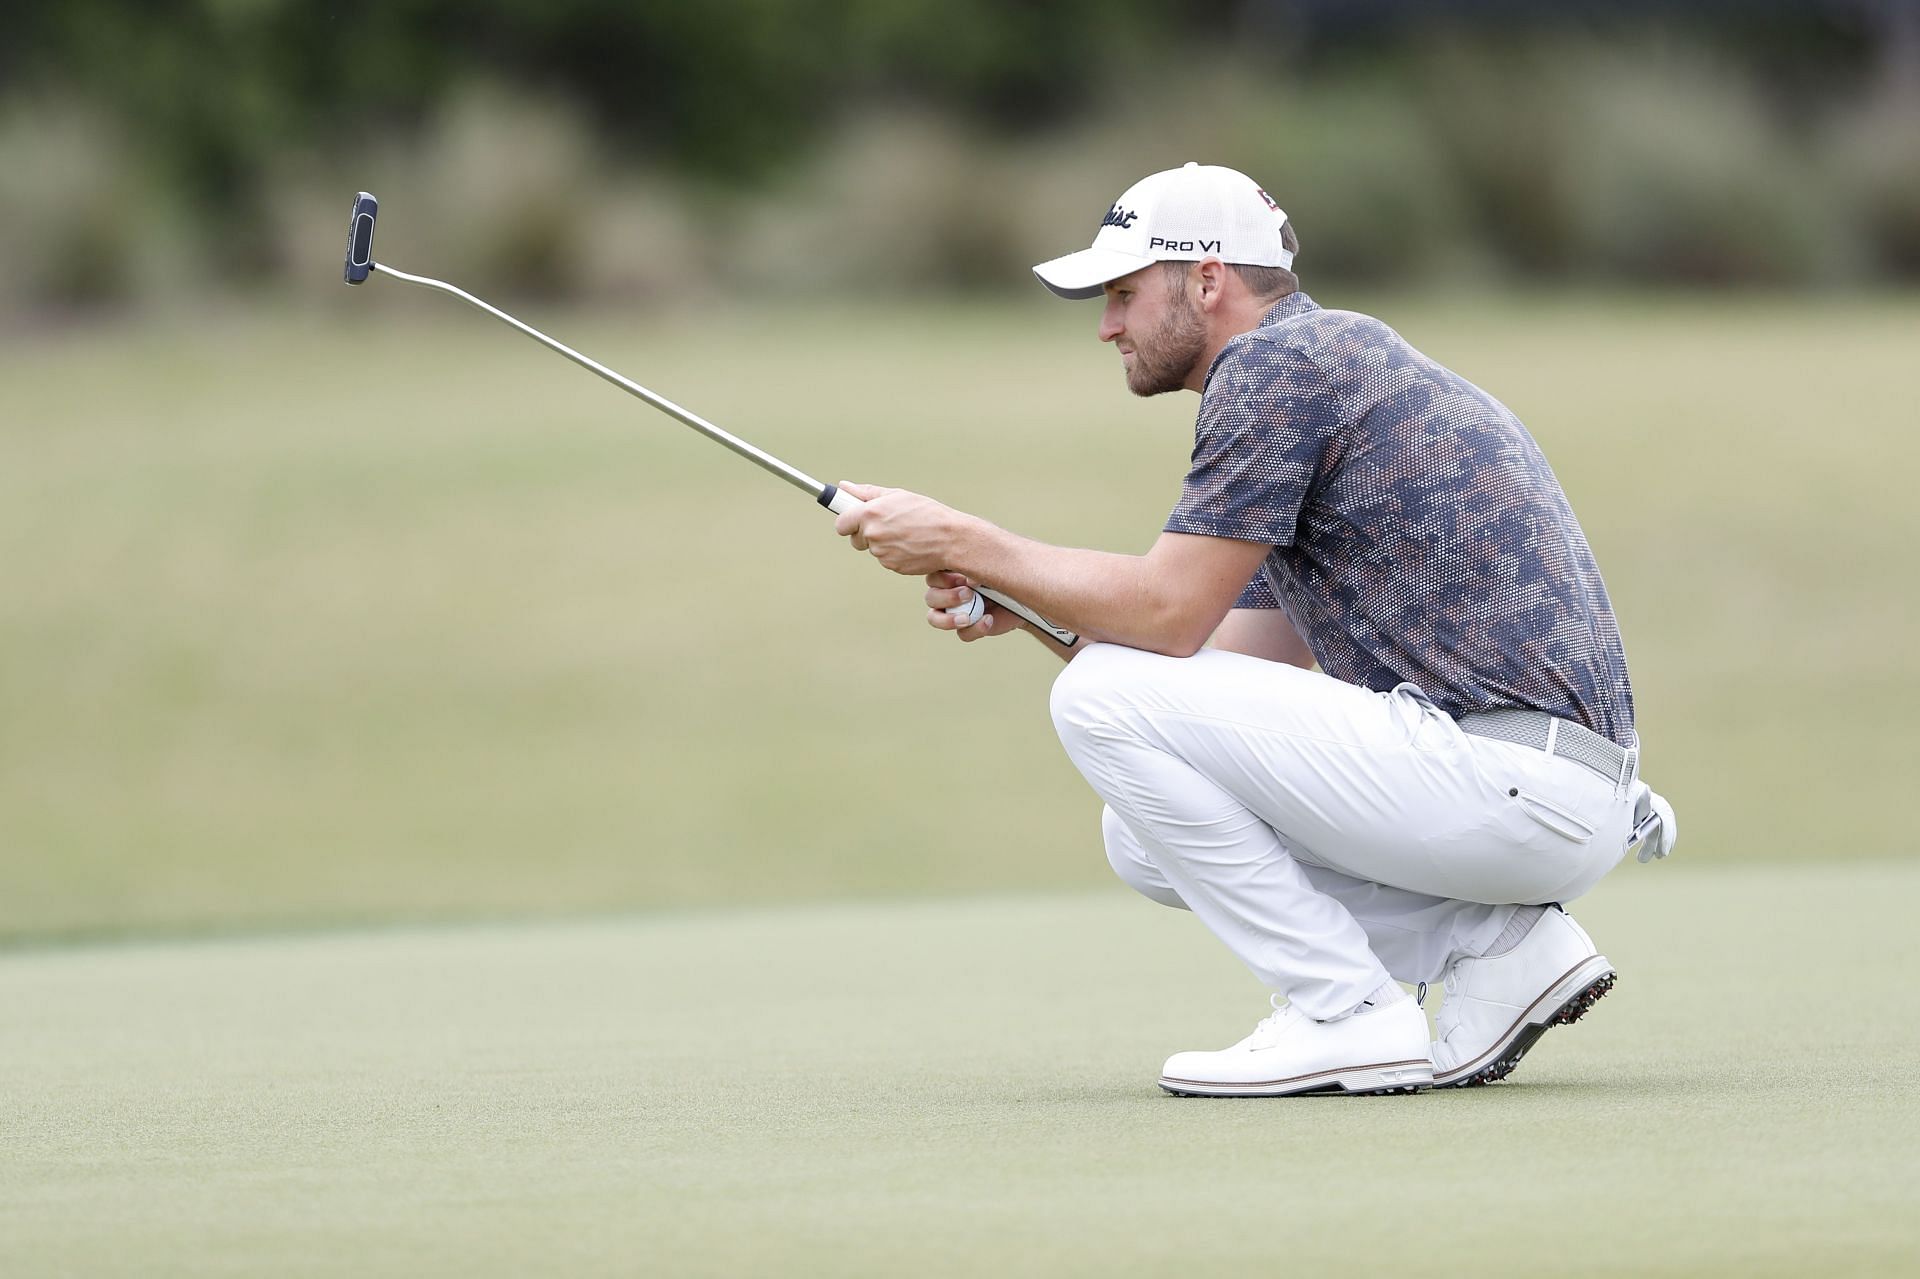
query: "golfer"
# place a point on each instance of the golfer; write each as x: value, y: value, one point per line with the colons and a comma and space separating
x: 1462, y: 761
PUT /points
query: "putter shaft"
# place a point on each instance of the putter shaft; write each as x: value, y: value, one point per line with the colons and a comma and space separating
x: 767, y: 461
x: 360, y: 261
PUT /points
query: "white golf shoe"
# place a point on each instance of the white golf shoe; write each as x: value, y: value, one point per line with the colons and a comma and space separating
x: 1383, y: 1050
x: 1495, y: 1008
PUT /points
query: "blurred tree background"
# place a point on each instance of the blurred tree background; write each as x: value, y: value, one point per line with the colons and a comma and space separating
x: 595, y: 148
x: 322, y: 606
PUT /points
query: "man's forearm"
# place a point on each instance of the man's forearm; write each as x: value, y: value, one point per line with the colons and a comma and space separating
x: 1100, y: 595
x: 1166, y: 601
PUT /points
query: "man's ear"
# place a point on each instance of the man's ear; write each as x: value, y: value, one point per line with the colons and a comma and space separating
x: 1210, y: 282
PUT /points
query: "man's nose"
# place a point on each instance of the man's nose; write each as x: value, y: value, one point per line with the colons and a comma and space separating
x: 1110, y: 326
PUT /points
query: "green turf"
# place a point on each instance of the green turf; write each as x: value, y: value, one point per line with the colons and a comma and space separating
x: 953, y: 1088
x: 376, y: 611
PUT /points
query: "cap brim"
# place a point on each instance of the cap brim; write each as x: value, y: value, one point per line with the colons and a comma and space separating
x: 1082, y: 275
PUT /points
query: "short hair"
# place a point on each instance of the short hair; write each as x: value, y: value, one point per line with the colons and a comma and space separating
x: 1261, y: 281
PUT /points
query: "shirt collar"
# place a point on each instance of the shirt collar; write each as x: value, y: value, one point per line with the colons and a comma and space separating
x: 1295, y: 303
x: 1288, y: 307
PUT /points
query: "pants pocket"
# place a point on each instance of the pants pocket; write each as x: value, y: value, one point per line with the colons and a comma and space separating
x: 1559, y: 820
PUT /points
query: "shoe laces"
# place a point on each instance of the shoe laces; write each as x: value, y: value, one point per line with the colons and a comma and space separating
x: 1271, y: 1025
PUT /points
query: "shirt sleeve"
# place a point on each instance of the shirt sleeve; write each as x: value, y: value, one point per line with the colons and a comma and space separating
x: 1267, y: 418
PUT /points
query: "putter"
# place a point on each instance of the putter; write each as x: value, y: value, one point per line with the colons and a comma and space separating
x: 360, y: 265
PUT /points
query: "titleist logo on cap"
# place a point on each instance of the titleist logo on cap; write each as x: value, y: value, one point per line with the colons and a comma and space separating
x: 1117, y: 216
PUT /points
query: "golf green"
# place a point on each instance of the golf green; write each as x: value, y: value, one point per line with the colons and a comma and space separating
x: 944, y: 1088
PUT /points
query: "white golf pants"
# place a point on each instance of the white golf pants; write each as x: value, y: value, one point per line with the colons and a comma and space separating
x: 1332, y: 837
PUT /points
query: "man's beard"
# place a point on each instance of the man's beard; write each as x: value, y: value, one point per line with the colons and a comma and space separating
x: 1163, y: 360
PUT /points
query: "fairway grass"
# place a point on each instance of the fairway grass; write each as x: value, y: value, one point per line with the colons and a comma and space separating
x: 948, y: 1088
x: 372, y: 611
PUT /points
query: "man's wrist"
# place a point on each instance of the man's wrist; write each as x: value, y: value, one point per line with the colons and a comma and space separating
x: 974, y: 548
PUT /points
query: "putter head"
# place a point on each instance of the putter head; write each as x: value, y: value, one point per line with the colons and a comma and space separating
x: 360, y: 237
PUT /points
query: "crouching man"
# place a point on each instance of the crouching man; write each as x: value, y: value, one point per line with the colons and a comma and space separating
x: 1462, y: 763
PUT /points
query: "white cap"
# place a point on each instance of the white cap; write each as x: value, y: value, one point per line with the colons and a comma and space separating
x: 1181, y: 215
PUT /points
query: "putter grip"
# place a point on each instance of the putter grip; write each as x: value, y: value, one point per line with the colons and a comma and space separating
x: 839, y: 502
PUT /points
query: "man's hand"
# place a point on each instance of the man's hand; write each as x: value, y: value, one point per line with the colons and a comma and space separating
x: 947, y: 590
x: 912, y: 534
x: 906, y: 532
x: 1166, y: 601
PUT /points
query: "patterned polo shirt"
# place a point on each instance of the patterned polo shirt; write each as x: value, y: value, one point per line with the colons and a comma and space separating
x: 1418, y: 533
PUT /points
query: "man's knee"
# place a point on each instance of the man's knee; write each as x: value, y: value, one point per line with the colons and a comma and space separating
x: 1087, y: 692
x: 1075, y: 687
